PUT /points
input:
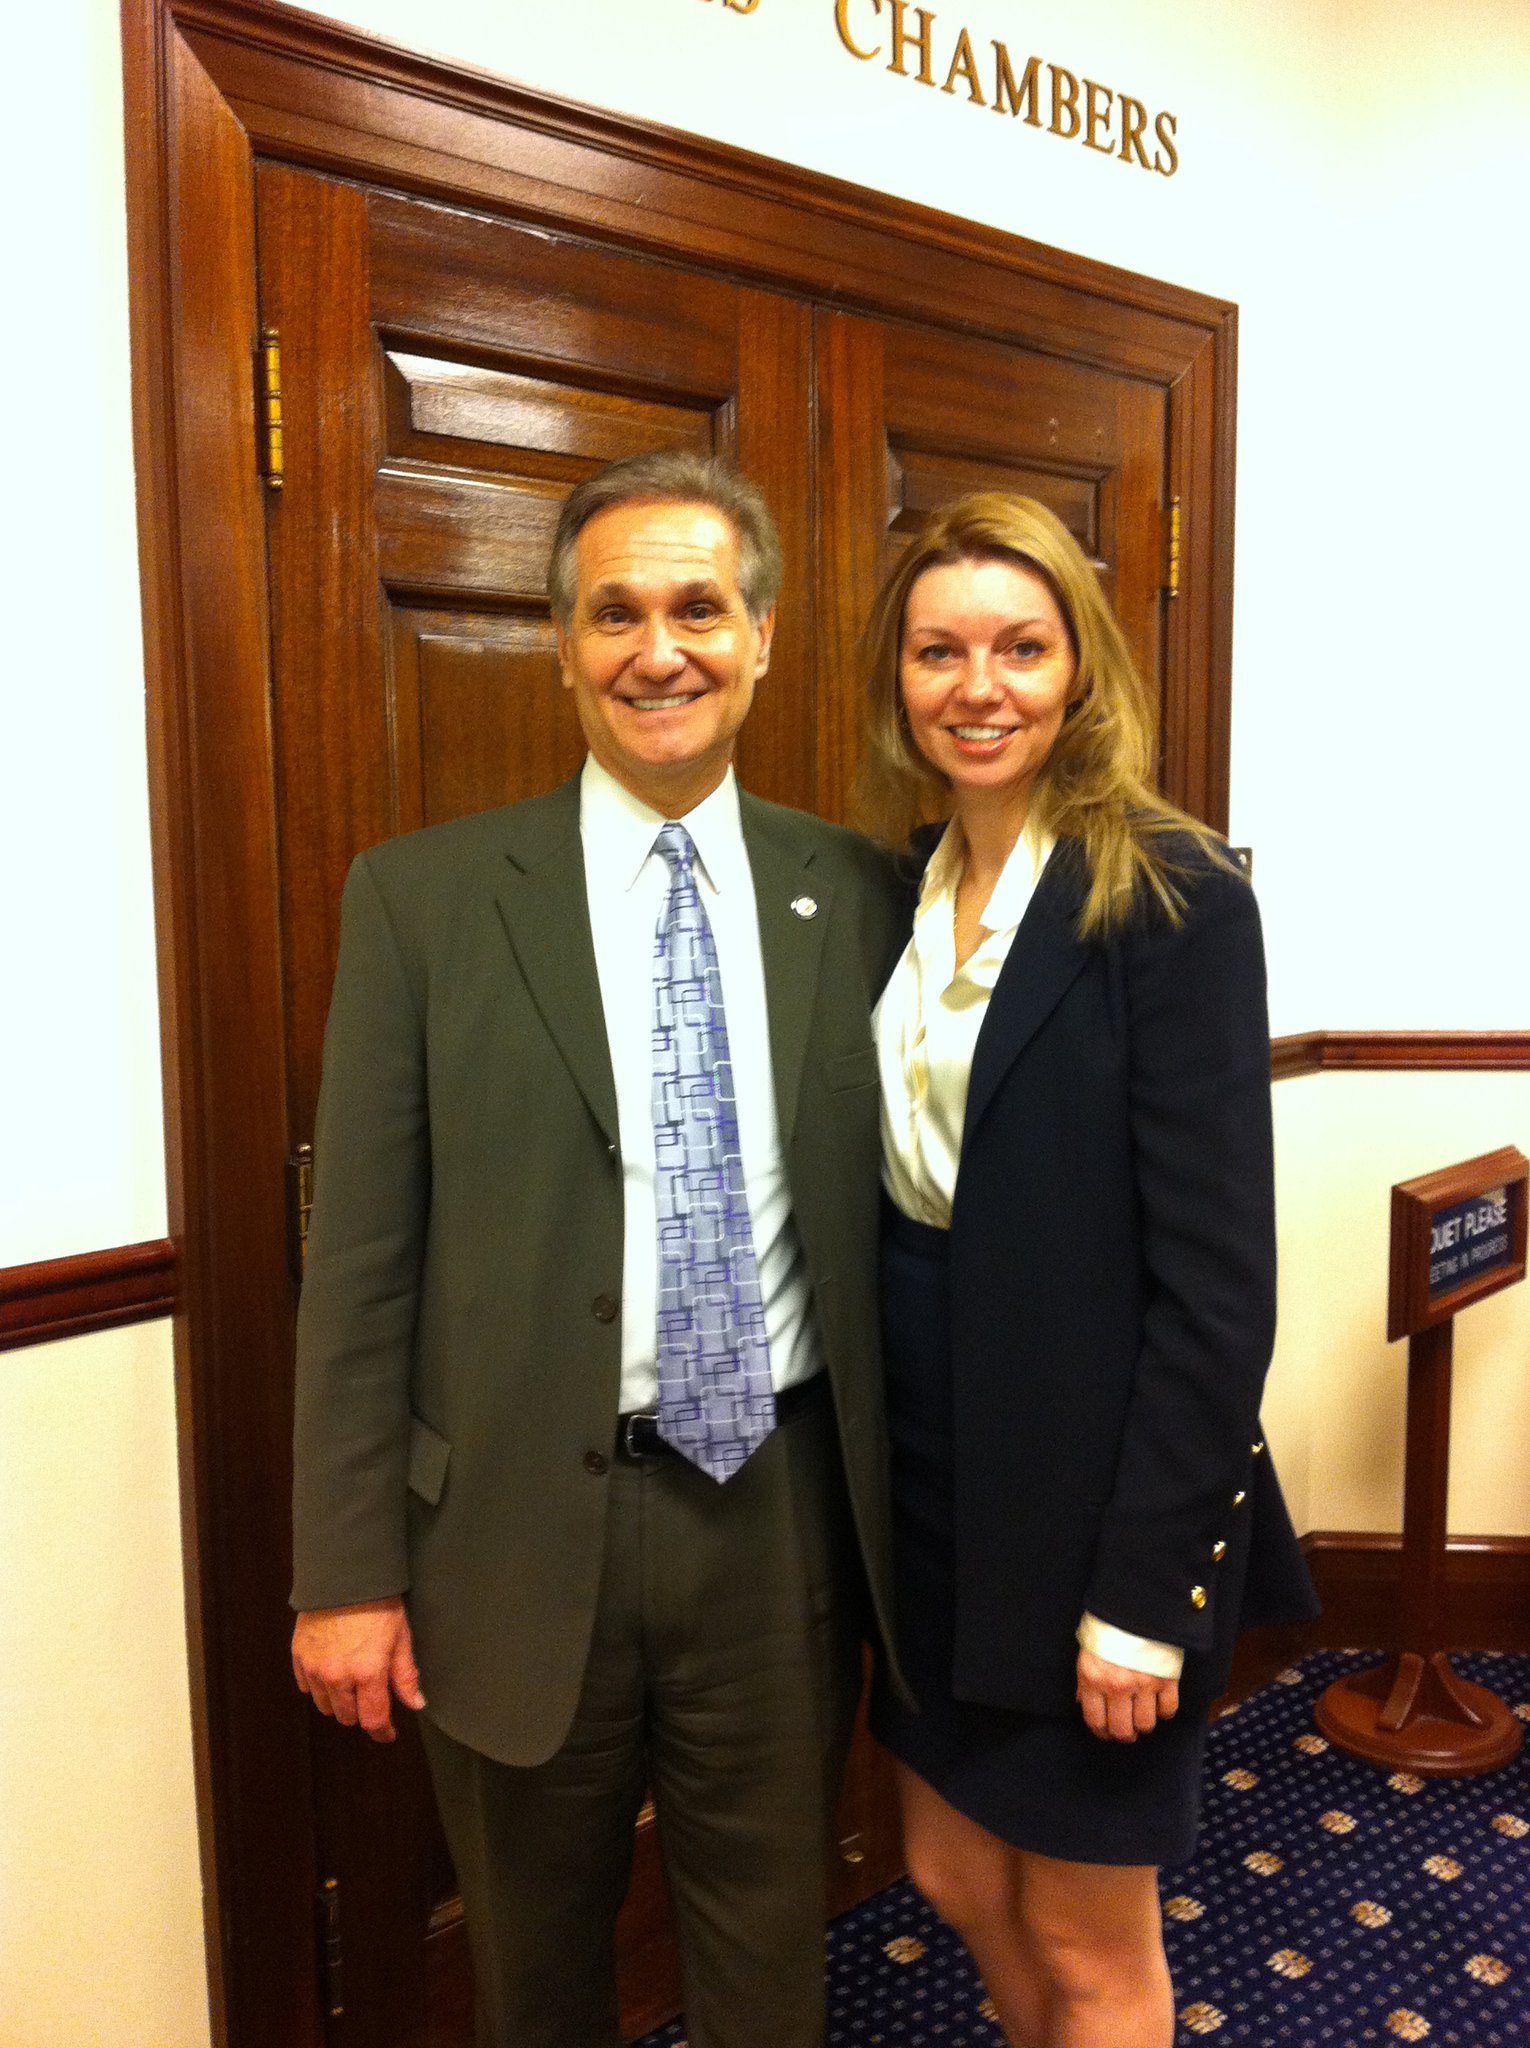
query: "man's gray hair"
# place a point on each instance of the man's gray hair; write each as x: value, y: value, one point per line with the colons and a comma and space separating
x: 672, y: 476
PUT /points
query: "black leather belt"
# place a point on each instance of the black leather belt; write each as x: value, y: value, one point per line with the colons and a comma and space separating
x: 637, y: 1435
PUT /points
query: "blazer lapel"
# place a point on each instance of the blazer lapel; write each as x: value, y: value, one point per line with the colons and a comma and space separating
x: 546, y: 915
x: 791, y: 947
x: 1044, y: 960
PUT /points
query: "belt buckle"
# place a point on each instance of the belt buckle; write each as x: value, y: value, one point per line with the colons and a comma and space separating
x: 628, y: 1446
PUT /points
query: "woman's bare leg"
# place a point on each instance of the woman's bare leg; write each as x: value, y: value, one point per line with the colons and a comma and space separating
x: 971, y: 1878
x: 1098, y: 1935
x: 1070, y: 1953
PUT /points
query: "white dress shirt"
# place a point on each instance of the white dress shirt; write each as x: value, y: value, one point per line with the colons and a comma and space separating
x: 627, y: 884
x: 927, y: 1026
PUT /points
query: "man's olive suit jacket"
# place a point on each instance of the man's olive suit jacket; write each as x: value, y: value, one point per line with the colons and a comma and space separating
x: 459, y: 1334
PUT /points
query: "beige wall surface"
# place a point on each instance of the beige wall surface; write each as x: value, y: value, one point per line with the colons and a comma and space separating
x: 1355, y: 178
x: 1336, y: 1404
x: 100, y: 1885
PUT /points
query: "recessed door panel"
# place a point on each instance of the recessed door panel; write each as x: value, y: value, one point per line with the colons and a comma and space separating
x: 935, y: 415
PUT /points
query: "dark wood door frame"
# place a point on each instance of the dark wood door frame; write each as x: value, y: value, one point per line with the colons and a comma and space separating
x: 209, y: 85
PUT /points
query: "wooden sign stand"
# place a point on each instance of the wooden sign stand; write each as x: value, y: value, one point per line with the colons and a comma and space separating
x: 1457, y: 1235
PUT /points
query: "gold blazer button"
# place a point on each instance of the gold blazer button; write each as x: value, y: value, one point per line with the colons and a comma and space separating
x: 1218, y: 1552
x: 1197, y: 1596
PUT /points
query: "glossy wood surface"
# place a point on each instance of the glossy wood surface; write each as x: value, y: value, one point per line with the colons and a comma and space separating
x: 1400, y: 1052
x: 1413, y: 1303
x: 1358, y: 1575
x: 1413, y: 1712
x: 133, y: 1283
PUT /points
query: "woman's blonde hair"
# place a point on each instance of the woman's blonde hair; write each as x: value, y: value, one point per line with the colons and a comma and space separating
x: 1096, y: 786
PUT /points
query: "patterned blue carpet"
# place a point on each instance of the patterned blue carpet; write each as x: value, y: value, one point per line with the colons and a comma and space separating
x: 1328, y: 1906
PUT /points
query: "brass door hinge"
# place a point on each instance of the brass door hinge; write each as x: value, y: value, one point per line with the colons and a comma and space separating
x: 1171, y: 586
x: 299, y: 1207
x: 331, y: 1983
x: 268, y: 385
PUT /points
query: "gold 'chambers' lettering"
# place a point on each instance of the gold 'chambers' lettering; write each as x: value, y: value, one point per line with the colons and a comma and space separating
x: 902, y: 41
x: 842, y: 23
x: 1109, y: 122
x: 1007, y: 97
x: 1065, y: 121
x: 964, y: 65
x: 1166, y: 159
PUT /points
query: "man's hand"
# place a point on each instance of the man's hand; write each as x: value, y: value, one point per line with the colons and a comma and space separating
x: 347, y: 1658
x: 1119, y: 1704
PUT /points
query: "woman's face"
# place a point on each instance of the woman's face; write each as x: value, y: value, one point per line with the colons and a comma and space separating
x: 985, y: 667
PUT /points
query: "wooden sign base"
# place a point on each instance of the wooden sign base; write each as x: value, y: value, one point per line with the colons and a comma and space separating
x: 1415, y: 1714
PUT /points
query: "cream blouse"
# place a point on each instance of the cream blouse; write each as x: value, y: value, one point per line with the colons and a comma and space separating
x: 928, y: 1021
x: 927, y: 1026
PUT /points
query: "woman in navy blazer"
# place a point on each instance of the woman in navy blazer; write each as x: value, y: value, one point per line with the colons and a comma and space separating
x: 1078, y: 1276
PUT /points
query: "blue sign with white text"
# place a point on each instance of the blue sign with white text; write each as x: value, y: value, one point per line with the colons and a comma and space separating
x: 1467, y: 1240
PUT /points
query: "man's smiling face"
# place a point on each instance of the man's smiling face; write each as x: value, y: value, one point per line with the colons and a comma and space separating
x: 660, y: 653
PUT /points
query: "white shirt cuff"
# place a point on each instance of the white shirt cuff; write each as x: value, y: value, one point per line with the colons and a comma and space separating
x: 1136, y: 1653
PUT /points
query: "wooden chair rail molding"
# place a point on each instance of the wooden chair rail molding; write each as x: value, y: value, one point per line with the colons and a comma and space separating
x: 133, y: 1283
x: 1414, y: 1052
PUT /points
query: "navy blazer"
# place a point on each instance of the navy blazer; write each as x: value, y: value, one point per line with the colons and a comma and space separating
x: 1113, y: 1296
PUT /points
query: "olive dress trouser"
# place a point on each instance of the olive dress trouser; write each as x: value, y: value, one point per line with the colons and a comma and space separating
x: 723, y: 1673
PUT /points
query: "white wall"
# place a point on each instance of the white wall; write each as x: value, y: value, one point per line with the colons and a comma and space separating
x: 1354, y: 177
x: 81, y: 1152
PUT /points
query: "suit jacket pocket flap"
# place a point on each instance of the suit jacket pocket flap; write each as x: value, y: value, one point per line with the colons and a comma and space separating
x: 428, y: 1455
x: 852, y: 1069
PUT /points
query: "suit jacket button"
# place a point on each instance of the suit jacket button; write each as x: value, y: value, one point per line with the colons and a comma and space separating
x: 1197, y: 1596
x: 1255, y: 1449
x: 1218, y: 1551
x: 606, y: 1308
x: 596, y: 1462
x: 1239, y: 1498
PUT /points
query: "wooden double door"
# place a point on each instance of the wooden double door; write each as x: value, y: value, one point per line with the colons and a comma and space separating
x: 445, y: 377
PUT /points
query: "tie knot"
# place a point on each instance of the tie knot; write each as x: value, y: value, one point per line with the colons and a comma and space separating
x: 674, y: 844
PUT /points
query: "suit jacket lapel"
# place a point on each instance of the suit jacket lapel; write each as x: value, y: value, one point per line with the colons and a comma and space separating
x: 1044, y: 959
x: 546, y: 914
x: 791, y: 947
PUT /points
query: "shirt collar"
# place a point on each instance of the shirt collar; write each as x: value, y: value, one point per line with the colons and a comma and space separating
x: 619, y: 829
x: 1013, y: 890
x: 1017, y: 882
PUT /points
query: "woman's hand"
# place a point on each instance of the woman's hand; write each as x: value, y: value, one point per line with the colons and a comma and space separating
x: 1119, y: 1704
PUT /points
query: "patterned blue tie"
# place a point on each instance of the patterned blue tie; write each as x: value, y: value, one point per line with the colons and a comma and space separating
x: 715, y: 1400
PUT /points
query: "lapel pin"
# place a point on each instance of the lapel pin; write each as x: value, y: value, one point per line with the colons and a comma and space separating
x: 805, y: 906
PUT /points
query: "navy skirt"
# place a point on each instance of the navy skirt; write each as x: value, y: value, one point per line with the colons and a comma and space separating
x: 1041, y: 1782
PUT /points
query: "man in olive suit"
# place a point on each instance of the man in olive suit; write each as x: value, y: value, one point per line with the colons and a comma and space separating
x: 589, y: 1444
